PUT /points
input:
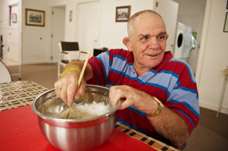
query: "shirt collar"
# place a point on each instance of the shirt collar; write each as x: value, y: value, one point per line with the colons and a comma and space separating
x: 167, y: 56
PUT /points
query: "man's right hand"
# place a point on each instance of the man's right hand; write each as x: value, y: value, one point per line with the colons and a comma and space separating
x: 67, y: 88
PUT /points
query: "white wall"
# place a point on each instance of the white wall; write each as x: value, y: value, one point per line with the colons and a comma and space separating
x: 13, y: 37
x: 213, y: 57
x: 10, y: 32
x: 113, y: 32
x: 35, y: 39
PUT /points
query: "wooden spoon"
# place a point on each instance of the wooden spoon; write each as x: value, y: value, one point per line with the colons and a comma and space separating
x: 80, y: 78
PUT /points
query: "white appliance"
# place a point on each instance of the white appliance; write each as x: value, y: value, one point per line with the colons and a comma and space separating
x: 184, y: 42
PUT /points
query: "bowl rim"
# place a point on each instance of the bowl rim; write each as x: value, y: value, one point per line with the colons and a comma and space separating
x: 107, y: 114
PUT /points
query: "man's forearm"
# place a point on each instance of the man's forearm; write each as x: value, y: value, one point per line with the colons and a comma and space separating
x: 170, y: 125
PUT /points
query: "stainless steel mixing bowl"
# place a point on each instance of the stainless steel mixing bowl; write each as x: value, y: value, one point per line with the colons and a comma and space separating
x: 74, y: 134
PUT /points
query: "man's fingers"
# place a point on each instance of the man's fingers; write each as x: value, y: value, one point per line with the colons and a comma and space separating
x: 57, y: 90
x: 71, y: 90
x: 80, y: 91
x: 126, y: 103
x: 123, y: 94
x: 115, y: 95
x: 66, y: 87
x: 63, y: 94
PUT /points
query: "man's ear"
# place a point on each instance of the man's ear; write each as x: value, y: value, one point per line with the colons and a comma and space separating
x: 126, y: 42
x: 167, y: 37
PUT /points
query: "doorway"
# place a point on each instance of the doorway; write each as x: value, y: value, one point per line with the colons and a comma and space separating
x: 11, y: 52
x: 191, y: 13
x: 58, y: 30
x: 88, y: 25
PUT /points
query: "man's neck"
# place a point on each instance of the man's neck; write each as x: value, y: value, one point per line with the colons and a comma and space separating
x: 140, y: 70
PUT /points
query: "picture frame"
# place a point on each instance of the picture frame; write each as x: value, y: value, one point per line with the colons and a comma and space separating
x: 14, y: 17
x: 123, y: 13
x: 225, y: 28
x: 34, y: 17
x: 227, y: 4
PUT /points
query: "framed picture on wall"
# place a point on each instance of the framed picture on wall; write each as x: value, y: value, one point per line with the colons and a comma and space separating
x: 34, y: 17
x: 225, y: 29
x: 123, y: 13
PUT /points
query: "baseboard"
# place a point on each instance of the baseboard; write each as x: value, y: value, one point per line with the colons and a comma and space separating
x: 210, y: 106
x: 36, y: 62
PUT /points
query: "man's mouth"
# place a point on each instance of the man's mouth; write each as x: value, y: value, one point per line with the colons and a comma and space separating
x: 152, y: 55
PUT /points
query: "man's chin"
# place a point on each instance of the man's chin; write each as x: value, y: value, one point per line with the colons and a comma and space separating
x: 151, y: 66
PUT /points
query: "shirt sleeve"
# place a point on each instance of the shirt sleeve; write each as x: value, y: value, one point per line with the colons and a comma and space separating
x: 100, y: 66
x: 184, y: 98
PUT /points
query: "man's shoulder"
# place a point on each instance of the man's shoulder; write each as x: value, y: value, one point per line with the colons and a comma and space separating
x: 119, y: 53
x: 176, y: 66
x: 178, y: 63
x: 180, y: 67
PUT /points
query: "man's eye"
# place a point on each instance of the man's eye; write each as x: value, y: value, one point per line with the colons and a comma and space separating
x: 144, y: 38
x: 161, y: 37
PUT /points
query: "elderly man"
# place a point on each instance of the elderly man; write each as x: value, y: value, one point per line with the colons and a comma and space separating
x: 160, y: 93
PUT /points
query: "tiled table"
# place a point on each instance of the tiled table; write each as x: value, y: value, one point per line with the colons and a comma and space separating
x: 22, y: 93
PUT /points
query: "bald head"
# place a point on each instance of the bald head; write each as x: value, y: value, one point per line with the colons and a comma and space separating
x: 133, y: 18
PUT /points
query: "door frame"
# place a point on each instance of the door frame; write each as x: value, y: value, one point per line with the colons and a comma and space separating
x: 51, y: 31
x: 76, y: 18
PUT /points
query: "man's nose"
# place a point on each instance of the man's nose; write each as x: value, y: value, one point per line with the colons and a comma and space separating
x: 153, y: 43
